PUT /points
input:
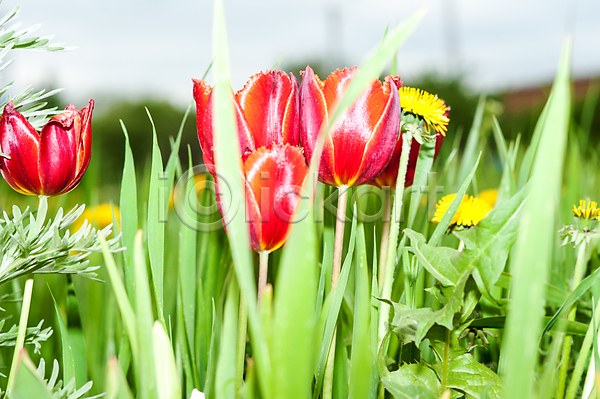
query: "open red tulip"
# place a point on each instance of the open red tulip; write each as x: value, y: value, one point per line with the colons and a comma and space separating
x: 362, y: 141
x: 266, y: 110
x: 274, y: 179
x: 51, y: 163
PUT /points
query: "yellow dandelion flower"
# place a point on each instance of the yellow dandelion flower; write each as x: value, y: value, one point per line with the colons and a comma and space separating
x: 469, y: 213
x: 432, y: 109
x: 587, y: 210
x: 489, y: 196
x: 442, y: 207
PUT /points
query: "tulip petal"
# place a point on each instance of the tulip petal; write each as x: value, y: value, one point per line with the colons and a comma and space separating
x: 58, y: 152
x: 313, y: 109
x: 269, y: 101
x: 203, y: 98
x: 84, y: 146
x: 383, y: 111
x: 274, y: 180
x: 20, y: 141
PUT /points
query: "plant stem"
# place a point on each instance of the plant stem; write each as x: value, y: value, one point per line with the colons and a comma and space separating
x: 340, y: 222
x: 385, y: 233
x: 580, y: 267
x: 582, y: 358
x: 22, y: 331
x: 263, y: 270
x: 241, y: 344
x: 445, y: 364
x: 390, y: 267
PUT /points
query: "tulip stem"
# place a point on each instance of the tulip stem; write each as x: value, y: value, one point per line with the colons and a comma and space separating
x: 580, y: 266
x: 385, y: 232
x: 263, y: 271
x: 340, y: 222
x: 21, y: 332
x: 390, y: 268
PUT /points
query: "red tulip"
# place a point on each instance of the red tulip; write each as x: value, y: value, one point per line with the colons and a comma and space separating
x: 274, y: 178
x: 266, y: 110
x: 51, y: 163
x: 363, y: 139
x: 389, y: 175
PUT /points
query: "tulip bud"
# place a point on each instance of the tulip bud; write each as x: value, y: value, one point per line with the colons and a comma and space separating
x: 50, y: 163
x: 363, y: 139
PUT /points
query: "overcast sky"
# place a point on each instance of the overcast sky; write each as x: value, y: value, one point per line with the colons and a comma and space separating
x: 135, y: 48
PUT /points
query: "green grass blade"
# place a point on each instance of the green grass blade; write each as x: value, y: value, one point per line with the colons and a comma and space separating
x: 573, y: 297
x: 127, y: 313
x: 145, y: 320
x: 361, y: 361
x: 187, y: 268
x: 227, y: 156
x: 527, y: 163
x: 68, y: 361
x: 294, y: 309
x: 472, y: 141
x: 166, y: 370
x: 534, y: 243
x: 155, y: 226
x: 226, y: 369
x: 129, y: 214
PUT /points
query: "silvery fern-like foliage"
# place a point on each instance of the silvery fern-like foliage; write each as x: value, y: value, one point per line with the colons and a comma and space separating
x: 30, y: 244
x: 28, y: 102
x: 35, y: 335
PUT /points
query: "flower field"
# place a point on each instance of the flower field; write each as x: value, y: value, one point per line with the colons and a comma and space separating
x: 340, y: 238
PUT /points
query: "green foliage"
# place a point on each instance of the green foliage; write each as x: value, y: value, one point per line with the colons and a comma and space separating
x: 30, y: 244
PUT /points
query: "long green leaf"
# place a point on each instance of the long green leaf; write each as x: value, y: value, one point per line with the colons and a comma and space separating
x: 472, y: 141
x: 165, y: 368
x: 573, y: 297
x: 145, y: 320
x: 129, y: 214
x: 125, y: 307
x: 155, y: 223
x: 227, y: 157
x: 226, y: 368
x: 361, y: 362
x: 534, y: 243
x: 68, y: 361
x: 294, y: 315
